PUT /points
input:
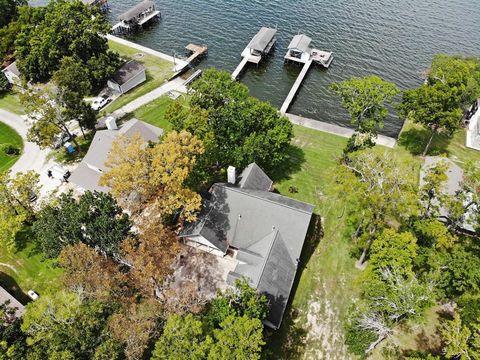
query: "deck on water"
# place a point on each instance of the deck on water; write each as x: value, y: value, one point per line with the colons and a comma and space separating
x: 196, y: 51
x: 296, y: 86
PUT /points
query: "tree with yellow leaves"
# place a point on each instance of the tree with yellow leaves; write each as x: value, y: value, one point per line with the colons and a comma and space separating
x: 140, y: 175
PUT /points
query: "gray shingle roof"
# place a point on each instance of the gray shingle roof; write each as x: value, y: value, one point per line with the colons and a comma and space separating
x: 128, y: 71
x: 261, y: 40
x: 254, y: 178
x: 86, y: 177
x: 300, y: 42
x: 268, y: 229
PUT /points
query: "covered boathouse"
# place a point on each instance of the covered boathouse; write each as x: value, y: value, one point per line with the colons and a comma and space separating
x: 260, y: 45
x: 140, y: 15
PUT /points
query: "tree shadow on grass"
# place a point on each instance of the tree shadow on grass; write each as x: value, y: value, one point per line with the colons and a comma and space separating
x: 291, y: 165
x: 289, y: 341
x: 9, y: 284
x: 415, y: 140
x: 23, y: 238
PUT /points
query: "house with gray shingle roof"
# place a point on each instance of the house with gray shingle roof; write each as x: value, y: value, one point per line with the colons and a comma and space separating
x: 87, y: 175
x: 264, y: 232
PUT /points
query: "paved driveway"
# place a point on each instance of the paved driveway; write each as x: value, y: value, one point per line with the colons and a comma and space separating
x: 33, y: 158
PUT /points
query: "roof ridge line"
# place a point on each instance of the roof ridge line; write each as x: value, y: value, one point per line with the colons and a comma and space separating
x: 267, y: 256
x: 273, y: 202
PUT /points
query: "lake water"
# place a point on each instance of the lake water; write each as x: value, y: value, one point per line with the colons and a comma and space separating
x: 394, y: 39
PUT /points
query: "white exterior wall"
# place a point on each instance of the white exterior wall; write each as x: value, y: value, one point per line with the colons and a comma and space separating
x: 11, y: 77
x: 133, y: 82
x: 473, y: 132
x: 199, y: 242
x: 113, y: 85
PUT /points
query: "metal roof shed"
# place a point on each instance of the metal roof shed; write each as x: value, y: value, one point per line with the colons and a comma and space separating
x: 263, y: 40
x: 300, y: 42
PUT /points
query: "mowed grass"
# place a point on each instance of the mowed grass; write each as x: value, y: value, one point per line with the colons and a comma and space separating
x: 157, y: 70
x: 154, y: 112
x: 8, y: 136
x: 25, y: 269
x: 414, y: 137
x: 10, y: 101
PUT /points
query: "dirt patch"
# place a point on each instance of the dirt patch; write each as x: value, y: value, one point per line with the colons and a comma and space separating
x: 325, y: 333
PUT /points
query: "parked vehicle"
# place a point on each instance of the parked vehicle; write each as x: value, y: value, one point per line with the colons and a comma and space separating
x: 60, y: 139
x: 33, y: 197
x: 100, y: 102
x: 57, y: 172
x: 32, y: 295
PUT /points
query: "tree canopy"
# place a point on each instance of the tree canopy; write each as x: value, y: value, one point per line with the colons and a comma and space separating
x: 236, y: 128
x: 95, y: 220
x: 9, y: 10
x: 68, y: 29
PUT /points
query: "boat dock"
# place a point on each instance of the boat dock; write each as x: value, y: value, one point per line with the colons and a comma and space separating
x: 336, y: 129
x: 196, y: 51
x: 257, y: 49
x: 138, y: 16
x: 300, y: 52
x: 296, y: 86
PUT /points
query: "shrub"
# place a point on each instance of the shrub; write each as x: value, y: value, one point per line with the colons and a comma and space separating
x: 10, y: 149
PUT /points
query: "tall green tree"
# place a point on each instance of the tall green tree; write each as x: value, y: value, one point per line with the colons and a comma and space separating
x: 239, y: 338
x: 366, y: 101
x: 95, y: 220
x: 236, y: 128
x: 69, y: 29
x: 383, y: 188
x: 452, y: 84
x: 10, y: 10
x: 182, y: 338
x: 64, y: 326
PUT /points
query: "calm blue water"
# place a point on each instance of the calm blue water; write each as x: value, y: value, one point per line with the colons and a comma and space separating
x: 394, y: 39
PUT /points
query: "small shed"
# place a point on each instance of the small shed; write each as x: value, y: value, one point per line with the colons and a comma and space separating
x: 300, y: 47
x: 12, y: 74
x: 11, y: 302
x: 130, y: 75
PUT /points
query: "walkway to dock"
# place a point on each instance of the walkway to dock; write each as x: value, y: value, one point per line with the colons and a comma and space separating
x: 295, y: 87
x: 179, y: 63
x: 337, y: 130
x: 239, y: 68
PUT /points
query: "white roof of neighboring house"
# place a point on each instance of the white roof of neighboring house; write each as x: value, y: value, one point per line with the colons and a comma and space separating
x: 12, y: 68
x: 87, y: 177
x: 5, y: 297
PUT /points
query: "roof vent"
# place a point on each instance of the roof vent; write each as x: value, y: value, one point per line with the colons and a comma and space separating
x: 231, y: 175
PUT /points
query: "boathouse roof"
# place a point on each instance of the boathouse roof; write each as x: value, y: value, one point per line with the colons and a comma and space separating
x: 262, y: 39
x: 135, y: 11
x: 300, y: 42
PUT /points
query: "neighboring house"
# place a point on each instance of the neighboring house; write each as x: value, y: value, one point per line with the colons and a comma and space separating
x: 130, y: 75
x: 10, y: 301
x: 471, y: 121
x: 12, y: 74
x: 452, y: 186
x: 262, y: 230
x: 87, y: 175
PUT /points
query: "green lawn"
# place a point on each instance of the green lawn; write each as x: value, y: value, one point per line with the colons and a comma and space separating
x: 414, y: 138
x: 25, y: 269
x: 158, y: 71
x: 11, y: 102
x: 8, y: 136
x: 154, y: 112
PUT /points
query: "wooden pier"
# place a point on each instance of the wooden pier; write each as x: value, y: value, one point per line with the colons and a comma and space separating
x: 258, y: 48
x: 296, y: 86
x: 238, y: 70
x: 196, y: 51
